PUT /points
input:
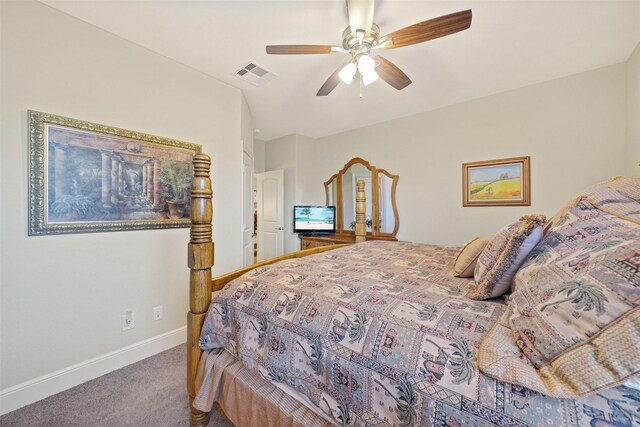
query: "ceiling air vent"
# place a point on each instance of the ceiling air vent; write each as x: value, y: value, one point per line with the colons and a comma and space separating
x: 255, y: 74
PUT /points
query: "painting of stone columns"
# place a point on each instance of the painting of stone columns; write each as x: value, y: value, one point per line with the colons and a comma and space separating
x: 86, y: 177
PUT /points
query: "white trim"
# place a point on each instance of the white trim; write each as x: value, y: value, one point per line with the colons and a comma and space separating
x: 36, y: 389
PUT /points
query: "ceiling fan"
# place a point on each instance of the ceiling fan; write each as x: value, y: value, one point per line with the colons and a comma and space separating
x: 362, y: 37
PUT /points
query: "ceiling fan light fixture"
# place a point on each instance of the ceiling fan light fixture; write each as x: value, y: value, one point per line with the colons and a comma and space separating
x: 366, y: 67
x: 366, y: 64
x: 369, y: 77
x: 347, y: 73
x: 363, y: 36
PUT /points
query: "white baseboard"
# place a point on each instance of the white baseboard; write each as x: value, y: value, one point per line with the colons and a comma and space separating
x: 31, y: 391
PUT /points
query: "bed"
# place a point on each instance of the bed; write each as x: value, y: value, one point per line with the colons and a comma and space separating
x: 382, y: 333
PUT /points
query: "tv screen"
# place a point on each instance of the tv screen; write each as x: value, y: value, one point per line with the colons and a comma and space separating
x: 314, y: 219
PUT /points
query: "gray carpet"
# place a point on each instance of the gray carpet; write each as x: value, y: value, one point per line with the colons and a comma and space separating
x: 151, y: 392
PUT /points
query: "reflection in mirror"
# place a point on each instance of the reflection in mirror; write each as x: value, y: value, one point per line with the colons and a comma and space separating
x: 331, y: 187
x: 386, y: 215
x: 350, y: 179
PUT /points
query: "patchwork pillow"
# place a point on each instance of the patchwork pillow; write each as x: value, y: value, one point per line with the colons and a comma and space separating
x: 574, y: 320
x: 577, y: 373
x: 465, y: 262
x: 504, y: 254
x: 620, y: 196
x: 633, y: 383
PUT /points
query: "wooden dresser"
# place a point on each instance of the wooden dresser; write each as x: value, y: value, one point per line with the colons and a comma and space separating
x: 314, y: 241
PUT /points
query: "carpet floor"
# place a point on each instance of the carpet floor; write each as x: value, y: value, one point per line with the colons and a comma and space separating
x: 151, y: 392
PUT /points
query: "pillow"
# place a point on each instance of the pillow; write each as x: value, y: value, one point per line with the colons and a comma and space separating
x: 504, y: 254
x: 575, y: 324
x: 465, y: 262
x: 633, y: 383
x: 619, y: 196
x: 574, y: 374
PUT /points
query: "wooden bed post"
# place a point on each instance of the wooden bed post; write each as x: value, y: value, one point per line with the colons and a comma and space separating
x: 200, y: 261
x: 361, y: 213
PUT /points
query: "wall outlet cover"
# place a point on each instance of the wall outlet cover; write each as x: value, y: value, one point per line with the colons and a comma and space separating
x: 128, y: 320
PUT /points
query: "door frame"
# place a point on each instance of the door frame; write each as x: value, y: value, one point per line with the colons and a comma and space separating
x: 246, y: 203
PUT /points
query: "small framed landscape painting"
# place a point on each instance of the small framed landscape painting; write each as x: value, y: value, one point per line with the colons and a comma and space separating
x: 502, y: 182
x: 86, y: 177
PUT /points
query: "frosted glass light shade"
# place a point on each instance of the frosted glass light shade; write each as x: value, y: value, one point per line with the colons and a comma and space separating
x: 347, y: 73
x: 366, y: 64
x: 369, y: 77
x: 366, y: 67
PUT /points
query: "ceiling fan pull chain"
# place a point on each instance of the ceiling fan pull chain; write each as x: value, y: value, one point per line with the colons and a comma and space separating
x: 360, y: 80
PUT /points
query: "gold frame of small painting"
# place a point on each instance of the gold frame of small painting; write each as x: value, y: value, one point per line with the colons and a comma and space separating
x: 501, y: 182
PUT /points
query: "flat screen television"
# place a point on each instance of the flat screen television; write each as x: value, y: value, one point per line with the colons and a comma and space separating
x: 314, y: 219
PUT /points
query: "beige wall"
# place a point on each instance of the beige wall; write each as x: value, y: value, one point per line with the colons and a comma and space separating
x: 259, y: 153
x: 632, y: 152
x: 62, y: 297
x: 573, y: 128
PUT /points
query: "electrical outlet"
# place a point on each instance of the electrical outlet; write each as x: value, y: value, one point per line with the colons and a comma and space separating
x: 128, y: 320
x: 157, y: 312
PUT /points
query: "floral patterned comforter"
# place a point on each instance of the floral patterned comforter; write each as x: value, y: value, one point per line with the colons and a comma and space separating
x: 380, y: 333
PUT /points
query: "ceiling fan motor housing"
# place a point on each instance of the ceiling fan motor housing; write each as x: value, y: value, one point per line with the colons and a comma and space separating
x: 351, y: 41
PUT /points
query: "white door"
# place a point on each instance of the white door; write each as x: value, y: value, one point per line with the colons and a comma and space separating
x: 270, y: 214
x: 247, y: 209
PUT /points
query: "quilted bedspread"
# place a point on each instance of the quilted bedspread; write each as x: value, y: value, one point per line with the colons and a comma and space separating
x: 380, y: 333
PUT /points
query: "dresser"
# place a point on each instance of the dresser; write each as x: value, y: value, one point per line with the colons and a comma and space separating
x: 314, y: 241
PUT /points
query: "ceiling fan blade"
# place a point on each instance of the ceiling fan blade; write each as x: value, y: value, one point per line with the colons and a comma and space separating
x: 331, y: 82
x: 428, y: 30
x: 360, y: 15
x: 299, y: 49
x: 391, y: 74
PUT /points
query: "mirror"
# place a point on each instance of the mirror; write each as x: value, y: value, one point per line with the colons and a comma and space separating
x: 386, y: 202
x: 331, y: 190
x: 350, y: 179
x: 381, y: 211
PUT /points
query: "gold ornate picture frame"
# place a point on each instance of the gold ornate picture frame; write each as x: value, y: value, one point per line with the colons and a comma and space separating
x: 501, y: 182
x: 85, y: 177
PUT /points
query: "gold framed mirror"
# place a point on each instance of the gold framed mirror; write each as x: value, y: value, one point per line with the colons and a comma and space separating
x: 380, y: 189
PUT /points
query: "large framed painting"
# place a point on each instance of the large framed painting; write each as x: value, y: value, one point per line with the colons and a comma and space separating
x: 501, y: 182
x: 86, y: 177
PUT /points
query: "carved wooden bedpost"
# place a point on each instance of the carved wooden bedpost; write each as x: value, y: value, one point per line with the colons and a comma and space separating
x: 200, y: 262
x: 361, y: 213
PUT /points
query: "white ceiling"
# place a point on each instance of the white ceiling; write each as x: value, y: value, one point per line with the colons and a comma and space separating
x: 510, y: 44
